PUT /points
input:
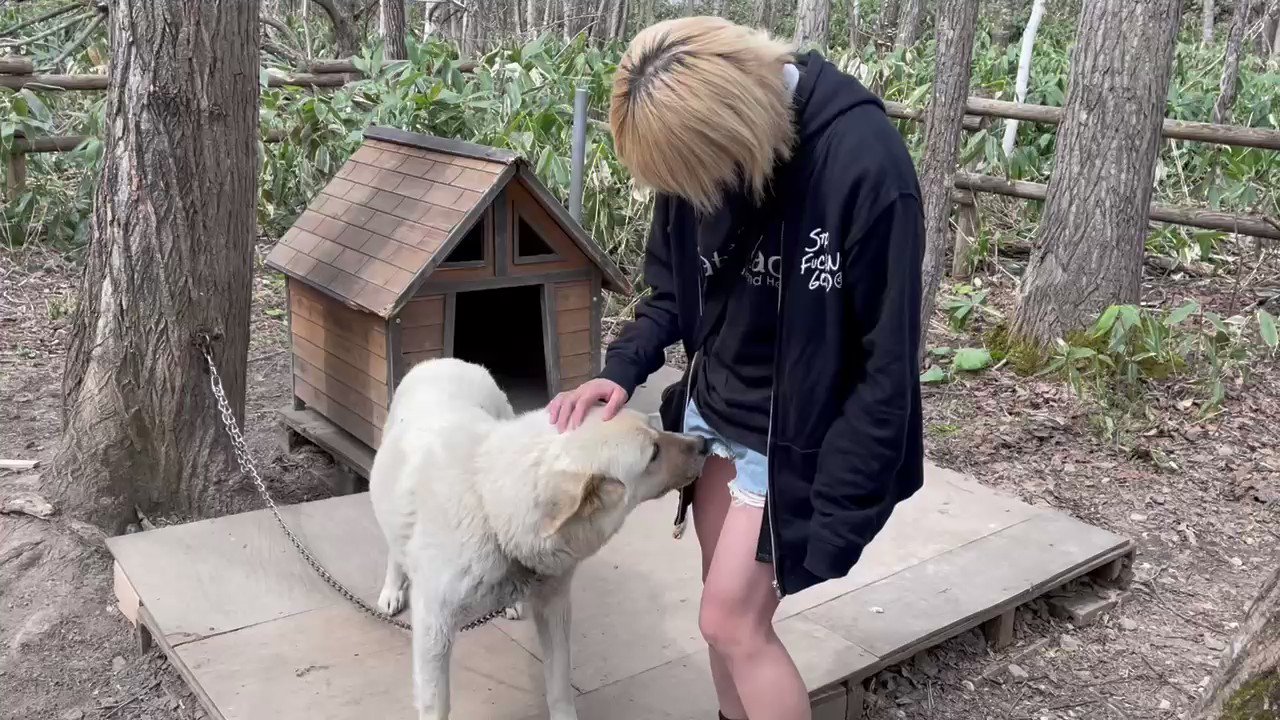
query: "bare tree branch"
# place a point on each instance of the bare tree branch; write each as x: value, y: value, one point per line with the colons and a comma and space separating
x: 36, y: 20
x: 78, y: 42
x: 27, y: 41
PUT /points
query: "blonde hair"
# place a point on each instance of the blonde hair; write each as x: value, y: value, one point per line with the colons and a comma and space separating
x: 700, y: 105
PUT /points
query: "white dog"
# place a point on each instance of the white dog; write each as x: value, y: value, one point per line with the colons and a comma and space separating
x: 483, y: 510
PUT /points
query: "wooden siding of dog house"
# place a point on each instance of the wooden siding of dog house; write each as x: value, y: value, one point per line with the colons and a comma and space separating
x: 339, y: 362
x: 422, y: 330
x: 575, y: 347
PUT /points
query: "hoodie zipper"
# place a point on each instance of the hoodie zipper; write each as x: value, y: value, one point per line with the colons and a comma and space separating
x: 768, y: 446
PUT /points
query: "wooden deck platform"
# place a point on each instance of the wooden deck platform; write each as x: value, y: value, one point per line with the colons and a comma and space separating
x: 258, y: 636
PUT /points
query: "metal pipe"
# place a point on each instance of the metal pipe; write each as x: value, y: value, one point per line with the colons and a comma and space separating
x: 579, y: 158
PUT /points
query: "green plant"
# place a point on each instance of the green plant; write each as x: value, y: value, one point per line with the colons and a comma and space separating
x: 962, y: 360
x: 967, y: 302
x: 1130, y: 347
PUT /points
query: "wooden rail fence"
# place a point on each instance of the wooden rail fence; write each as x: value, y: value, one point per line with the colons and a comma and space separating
x: 18, y: 73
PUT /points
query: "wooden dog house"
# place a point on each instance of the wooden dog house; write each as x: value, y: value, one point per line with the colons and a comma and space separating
x: 422, y: 247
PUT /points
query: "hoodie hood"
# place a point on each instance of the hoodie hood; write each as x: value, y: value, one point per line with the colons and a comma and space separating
x: 824, y: 94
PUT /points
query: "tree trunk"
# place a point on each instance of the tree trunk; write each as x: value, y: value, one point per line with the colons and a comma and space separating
x: 956, y: 21
x: 762, y: 14
x: 1231, y: 64
x: 1089, y: 245
x: 909, y: 24
x: 618, y: 21
x: 341, y: 17
x: 888, y: 21
x: 855, y: 27
x: 1024, y: 72
x: 170, y: 255
x: 1206, y: 22
x: 393, y: 30
x: 1247, y: 684
x: 812, y: 22
x: 530, y: 19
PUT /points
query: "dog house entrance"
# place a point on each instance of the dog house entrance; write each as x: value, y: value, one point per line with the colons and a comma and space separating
x: 502, y: 330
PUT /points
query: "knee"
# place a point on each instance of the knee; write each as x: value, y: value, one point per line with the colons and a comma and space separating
x: 727, y: 629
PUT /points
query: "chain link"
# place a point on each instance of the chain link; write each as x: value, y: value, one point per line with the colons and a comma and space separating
x: 204, y: 344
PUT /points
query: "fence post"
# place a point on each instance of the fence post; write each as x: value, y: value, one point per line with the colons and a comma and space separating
x: 966, y: 235
x: 15, y: 178
x: 579, y: 153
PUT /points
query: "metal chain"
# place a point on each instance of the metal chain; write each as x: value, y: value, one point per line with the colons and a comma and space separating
x: 205, y: 345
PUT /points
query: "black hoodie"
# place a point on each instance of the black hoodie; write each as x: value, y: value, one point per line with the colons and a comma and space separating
x: 843, y: 430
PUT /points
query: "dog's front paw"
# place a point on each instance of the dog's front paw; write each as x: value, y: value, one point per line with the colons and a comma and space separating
x: 515, y: 612
x: 392, y: 600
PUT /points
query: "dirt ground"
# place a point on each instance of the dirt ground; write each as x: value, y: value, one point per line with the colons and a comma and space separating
x: 1198, y: 496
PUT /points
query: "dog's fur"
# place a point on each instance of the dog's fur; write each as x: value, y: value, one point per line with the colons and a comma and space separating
x: 483, y: 510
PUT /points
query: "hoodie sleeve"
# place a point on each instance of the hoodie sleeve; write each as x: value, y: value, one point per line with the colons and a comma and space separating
x: 868, y: 442
x: 639, y: 350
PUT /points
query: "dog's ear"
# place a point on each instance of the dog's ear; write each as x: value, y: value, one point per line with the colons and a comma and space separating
x: 579, y: 493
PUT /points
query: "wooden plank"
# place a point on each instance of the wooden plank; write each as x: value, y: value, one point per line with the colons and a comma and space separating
x: 501, y: 224
x: 597, y: 319
x: 372, y: 410
x: 350, y: 375
x: 336, y: 663
x: 573, y: 295
x: 571, y: 383
x: 450, y: 322
x: 573, y: 320
x: 341, y: 416
x: 126, y: 596
x: 550, y: 340
x: 948, y: 594
x: 413, y: 358
x: 574, y: 343
x: 340, y: 444
x: 395, y: 358
x: 438, y: 285
x: 17, y: 464
x: 359, y: 386
x: 186, y: 673
x: 420, y: 339
x: 358, y: 357
x: 423, y: 310
x: 361, y: 329
x: 576, y: 365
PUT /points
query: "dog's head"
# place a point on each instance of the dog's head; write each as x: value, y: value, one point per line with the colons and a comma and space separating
x: 603, y: 469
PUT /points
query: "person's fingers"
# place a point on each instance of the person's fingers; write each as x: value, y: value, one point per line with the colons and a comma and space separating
x: 580, y: 409
x: 553, y: 408
x: 615, y: 402
x: 566, y: 412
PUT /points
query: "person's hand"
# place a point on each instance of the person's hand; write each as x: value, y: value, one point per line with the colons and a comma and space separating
x: 569, y: 408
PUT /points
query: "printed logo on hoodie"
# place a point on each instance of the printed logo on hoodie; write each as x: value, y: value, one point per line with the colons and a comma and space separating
x: 820, y: 265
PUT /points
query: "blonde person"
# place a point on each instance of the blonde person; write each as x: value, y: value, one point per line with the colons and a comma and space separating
x: 785, y: 255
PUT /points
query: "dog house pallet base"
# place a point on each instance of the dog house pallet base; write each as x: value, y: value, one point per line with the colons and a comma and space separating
x: 422, y: 248
x: 256, y: 634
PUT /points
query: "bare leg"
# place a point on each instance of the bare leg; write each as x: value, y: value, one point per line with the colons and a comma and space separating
x: 551, y: 614
x: 395, y: 588
x: 736, y: 618
x: 432, y: 644
x: 710, y: 503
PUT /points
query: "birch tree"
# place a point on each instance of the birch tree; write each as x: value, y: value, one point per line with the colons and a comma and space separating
x: 1024, y: 72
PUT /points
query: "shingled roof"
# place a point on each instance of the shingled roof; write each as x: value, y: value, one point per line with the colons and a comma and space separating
x: 397, y: 208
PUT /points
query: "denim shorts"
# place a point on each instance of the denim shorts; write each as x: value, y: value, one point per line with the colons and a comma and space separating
x: 750, y: 483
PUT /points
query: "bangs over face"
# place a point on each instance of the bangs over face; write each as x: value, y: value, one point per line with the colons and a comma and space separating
x: 700, y: 106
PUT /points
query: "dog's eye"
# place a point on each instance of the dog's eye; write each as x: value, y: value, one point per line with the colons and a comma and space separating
x: 653, y: 456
